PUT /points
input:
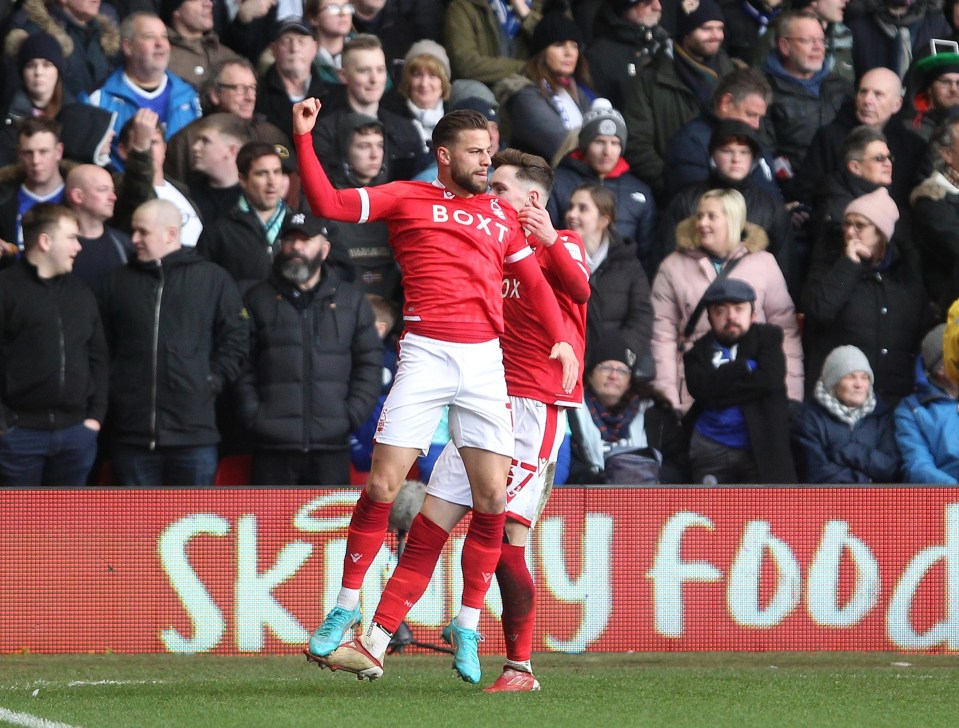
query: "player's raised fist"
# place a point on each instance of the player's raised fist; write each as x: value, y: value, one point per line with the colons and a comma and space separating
x: 304, y: 115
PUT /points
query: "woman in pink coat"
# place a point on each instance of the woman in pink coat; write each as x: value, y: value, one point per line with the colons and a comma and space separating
x: 717, y: 237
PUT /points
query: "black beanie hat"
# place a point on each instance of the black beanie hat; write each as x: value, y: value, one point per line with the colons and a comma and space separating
x: 611, y: 347
x: 694, y: 13
x: 167, y: 8
x: 40, y: 45
x: 555, y: 27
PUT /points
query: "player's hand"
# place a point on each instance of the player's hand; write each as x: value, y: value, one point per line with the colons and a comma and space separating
x: 304, y: 115
x: 565, y: 355
x: 534, y: 218
x: 144, y: 124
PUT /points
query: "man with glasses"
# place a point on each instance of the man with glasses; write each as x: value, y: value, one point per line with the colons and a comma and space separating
x: 938, y: 97
x: 877, y: 104
x: 195, y: 50
x: 806, y: 94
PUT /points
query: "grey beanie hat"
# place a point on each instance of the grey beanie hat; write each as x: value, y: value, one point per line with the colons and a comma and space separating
x: 427, y: 47
x: 602, y: 120
x: 932, y: 348
x: 841, y: 361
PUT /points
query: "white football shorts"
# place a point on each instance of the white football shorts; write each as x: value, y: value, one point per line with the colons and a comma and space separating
x: 432, y: 374
x: 538, y: 431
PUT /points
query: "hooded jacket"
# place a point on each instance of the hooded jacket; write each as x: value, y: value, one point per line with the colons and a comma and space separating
x: 680, y: 283
x: 927, y: 432
x: 935, y: 208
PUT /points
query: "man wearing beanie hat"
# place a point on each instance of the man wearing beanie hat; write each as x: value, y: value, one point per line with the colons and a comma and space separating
x: 927, y: 422
x: 734, y: 155
x: 195, y: 49
x: 844, y: 433
x: 868, y: 292
x: 737, y: 374
x: 627, y: 36
x: 675, y: 88
x: 807, y: 94
x: 938, y: 94
x: 599, y: 160
x: 89, y: 40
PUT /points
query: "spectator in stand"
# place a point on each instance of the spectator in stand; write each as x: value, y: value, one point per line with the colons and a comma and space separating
x: 747, y: 23
x: 243, y: 240
x: 717, y: 241
x: 332, y: 22
x: 171, y: 354
x: 734, y: 153
x: 545, y: 104
x: 877, y: 104
x: 364, y: 76
x: 232, y: 90
x: 868, y: 292
x: 144, y: 81
x: 935, y: 212
x: 425, y: 86
x: 385, y: 20
x: 294, y: 75
x: 831, y: 14
x: 626, y: 36
x: 890, y: 33
x: 741, y: 95
x: 740, y: 418
x: 599, y: 161
x: 215, y: 182
x: 675, y: 88
x: 491, y: 39
x: 927, y: 422
x: 195, y: 49
x: 89, y: 39
x: 161, y: 187
x: 619, y: 298
x: 91, y: 195
x: 53, y: 395
x: 938, y: 96
x: 845, y: 433
x: 308, y: 385
x: 38, y: 177
x: 626, y: 432
x: 806, y: 94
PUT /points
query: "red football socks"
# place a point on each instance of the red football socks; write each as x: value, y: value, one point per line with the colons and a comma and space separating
x: 424, y: 544
x: 519, y: 602
x: 365, y: 536
x: 481, y: 552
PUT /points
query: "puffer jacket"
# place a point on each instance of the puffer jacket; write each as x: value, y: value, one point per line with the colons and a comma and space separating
x: 680, y: 283
x: 927, y: 432
x: 315, y: 367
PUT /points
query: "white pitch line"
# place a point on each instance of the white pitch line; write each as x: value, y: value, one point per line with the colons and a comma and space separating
x: 30, y: 721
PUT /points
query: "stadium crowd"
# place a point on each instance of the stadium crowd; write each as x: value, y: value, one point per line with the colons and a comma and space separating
x: 761, y: 187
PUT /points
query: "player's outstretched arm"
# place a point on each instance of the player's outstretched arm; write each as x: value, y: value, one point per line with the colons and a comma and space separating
x: 565, y: 355
x: 304, y: 115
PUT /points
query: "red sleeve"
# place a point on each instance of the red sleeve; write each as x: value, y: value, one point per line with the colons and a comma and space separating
x: 325, y: 200
x: 539, y: 293
x: 567, y: 261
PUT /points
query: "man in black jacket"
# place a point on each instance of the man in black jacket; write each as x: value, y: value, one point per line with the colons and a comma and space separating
x: 53, y: 395
x: 178, y: 334
x: 315, y: 367
x: 737, y: 372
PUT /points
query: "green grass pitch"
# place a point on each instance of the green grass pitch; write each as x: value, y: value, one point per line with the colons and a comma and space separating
x: 585, y: 691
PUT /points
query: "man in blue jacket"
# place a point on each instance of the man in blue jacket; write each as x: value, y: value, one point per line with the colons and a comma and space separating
x: 144, y: 81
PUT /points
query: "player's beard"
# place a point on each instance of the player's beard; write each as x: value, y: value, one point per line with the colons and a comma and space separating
x: 296, y: 269
x: 467, y: 181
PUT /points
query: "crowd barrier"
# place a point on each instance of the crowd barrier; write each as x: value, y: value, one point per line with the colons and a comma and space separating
x: 252, y: 570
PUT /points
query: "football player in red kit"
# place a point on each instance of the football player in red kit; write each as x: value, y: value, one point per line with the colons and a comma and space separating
x: 451, y: 241
x: 539, y: 401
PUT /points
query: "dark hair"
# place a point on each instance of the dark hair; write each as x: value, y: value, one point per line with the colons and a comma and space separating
x: 529, y: 167
x: 855, y: 143
x: 250, y: 152
x: 42, y: 218
x: 31, y: 125
x: 604, y: 200
x: 547, y: 82
x: 741, y: 83
x: 447, y: 129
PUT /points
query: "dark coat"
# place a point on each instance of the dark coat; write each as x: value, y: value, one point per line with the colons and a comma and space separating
x: 761, y: 394
x: 53, y: 355
x: 882, y: 311
x: 935, y: 212
x: 316, y: 364
x: 687, y: 158
x: 830, y: 198
x: 273, y: 101
x: 823, y: 157
x: 872, y: 47
x: 177, y: 336
x: 620, y: 298
x: 830, y: 451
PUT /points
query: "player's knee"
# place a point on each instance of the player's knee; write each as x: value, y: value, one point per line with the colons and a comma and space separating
x: 382, y: 489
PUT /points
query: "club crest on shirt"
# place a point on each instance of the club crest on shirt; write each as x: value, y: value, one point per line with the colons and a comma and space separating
x: 497, y: 210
